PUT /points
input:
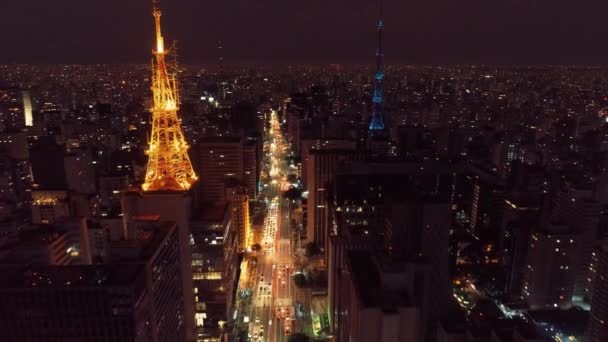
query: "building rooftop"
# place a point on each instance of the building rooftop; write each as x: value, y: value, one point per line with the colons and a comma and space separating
x: 81, y: 276
x: 215, y: 213
x: 40, y: 236
x: 367, y: 281
x: 570, y: 322
x: 146, y: 243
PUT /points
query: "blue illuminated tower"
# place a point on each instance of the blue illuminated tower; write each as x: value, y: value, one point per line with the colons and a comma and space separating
x: 376, y: 124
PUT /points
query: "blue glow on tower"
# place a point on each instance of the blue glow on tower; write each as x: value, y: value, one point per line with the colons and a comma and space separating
x: 377, y: 124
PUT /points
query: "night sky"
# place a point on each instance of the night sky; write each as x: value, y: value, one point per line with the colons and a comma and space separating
x: 307, y: 31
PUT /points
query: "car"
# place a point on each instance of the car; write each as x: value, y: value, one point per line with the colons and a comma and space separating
x: 257, y: 320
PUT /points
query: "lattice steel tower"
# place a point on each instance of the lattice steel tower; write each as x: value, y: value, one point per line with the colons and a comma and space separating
x: 376, y: 124
x: 169, y: 166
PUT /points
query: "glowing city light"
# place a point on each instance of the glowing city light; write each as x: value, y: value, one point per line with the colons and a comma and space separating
x: 169, y: 166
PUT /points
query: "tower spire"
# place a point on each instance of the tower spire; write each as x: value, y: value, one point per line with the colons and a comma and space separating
x: 156, y: 12
x: 169, y: 166
x: 376, y: 124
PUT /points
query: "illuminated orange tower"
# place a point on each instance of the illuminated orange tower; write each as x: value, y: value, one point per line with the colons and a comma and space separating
x: 169, y: 166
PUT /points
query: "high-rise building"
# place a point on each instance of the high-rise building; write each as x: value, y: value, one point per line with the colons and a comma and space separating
x: 550, y: 271
x: 110, y: 189
x: 598, y: 322
x: 214, y: 265
x: 321, y: 171
x: 135, y: 298
x: 221, y: 160
x: 401, y: 213
x: 224, y: 161
x: 27, y: 109
x: 172, y: 206
x: 378, y: 306
x: 80, y: 174
x: 487, y: 204
x: 47, y: 160
x: 250, y: 167
x: 14, y: 145
x: 239, y: 202
x: 573, y: 205
x: 15, y: 181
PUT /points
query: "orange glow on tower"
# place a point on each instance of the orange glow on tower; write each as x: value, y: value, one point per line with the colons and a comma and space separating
x: 169, y: 166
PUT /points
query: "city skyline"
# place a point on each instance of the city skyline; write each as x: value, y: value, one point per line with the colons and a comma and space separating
x: 258, y: 199
x: 437, y: 32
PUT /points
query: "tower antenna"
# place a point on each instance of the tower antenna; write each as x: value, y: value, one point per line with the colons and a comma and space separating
x: 376, y: 124
x: 169, y: 166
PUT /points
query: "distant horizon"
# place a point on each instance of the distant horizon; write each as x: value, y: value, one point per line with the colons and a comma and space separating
x: 418, y: 32
x: 282, y: 65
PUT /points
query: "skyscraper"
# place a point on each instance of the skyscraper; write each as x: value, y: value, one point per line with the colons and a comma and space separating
x: 550, y: 271
x: 225, y: 160
x: 598, y: 323
x: 27, y: 109
x: 135, y: 298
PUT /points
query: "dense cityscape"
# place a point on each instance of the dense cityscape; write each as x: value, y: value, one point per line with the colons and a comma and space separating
x: 339, y: 202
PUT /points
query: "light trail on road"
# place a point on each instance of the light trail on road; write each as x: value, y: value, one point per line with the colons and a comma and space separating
x: 272, y: 311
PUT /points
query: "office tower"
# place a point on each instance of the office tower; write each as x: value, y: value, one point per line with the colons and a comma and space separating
x: 8, y: 188
x: 321, y: 171
x: 308, y: 145
x: 573, y: 205
x: 110, y: 191
x: 169, y: 166
x: 27, y: 109
x: 15, y: 181
x: 47, y: 160
x: 239, y: 202
x: 137, y: 297
x: 172, y: 206
x: 487, y: 204
x: 409, y: 140
x: 70, y: 304
x: 214, y: 265
x: 251, y: 167
x: 585, y: 222
x: 378, y: 306
x: 225, y: 161
x: 222, y: 162
x: 505, y: 152
x: 598, y: 322
x: 79, y: 171
x: 14, y: 145
x: 550, y: 270
x: 515, y: 248
x: 401, y: 213
x: 420, y: 226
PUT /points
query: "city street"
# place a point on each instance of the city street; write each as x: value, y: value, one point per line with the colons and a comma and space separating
x: 271, y: 314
